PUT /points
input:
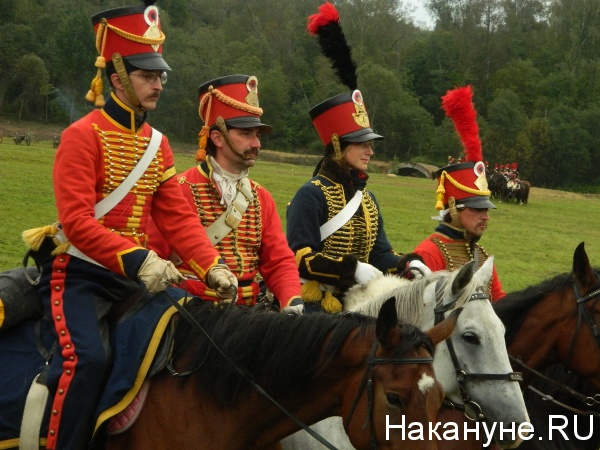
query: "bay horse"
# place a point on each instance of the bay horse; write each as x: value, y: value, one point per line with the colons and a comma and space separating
x: 497, y: 185
x: 368, y: 370
x: 474, y: 370
x: 556, y: 322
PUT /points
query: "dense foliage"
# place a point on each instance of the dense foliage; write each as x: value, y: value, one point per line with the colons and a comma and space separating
x: 534, y: 66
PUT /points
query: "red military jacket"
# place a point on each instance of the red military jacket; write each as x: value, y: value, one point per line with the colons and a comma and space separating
x: 96, y: 154
x: 257, y: 245
x: 443, y: 250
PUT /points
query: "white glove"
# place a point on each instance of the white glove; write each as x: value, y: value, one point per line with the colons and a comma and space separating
x: 418, y: 268
x: 366, y: 272
x: 295, y: 307
x: 221, y: 279
x: 157, y: 273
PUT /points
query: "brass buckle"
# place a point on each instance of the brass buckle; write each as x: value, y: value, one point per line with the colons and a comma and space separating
x: 233, y: 218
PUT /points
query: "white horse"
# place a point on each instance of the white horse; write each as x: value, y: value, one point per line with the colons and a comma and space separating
x: 488, y: 391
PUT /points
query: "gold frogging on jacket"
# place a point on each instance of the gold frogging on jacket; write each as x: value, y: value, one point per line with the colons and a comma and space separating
x: 457, y: 254
x: 357, y: 236
x: 240, y: 248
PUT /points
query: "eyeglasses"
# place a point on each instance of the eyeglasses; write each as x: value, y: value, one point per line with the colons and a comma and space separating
x: 151, y: 77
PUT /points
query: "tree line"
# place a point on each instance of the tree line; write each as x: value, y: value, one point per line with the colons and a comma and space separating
x: 534, y: 66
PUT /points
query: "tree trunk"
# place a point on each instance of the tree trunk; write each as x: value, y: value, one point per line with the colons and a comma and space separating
x: 21, y: 108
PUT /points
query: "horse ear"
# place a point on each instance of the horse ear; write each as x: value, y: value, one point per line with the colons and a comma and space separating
x: 387, y: 321
x: 484, y: 274
x: 582, y: 268
x: 463, y: 278
x: 444, y: 329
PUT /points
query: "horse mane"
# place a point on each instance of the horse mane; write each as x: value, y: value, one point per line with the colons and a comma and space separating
x: 282, y: 353
x: 512, y: 308
x: 408, y: 295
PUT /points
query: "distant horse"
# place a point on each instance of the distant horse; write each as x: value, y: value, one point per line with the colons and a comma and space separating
x: 313, y: 366
x: 553, y: 322
x: 474, y: 369
x: 497, y: 185
x: 507, y: 190
x: 522, y: 193
x: 18, y: 138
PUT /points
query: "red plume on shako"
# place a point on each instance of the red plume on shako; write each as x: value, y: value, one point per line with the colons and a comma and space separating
x: 463, y: 184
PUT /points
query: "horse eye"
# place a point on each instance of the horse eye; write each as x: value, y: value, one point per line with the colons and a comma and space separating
x: 470, y: 338
x: 394, y: 400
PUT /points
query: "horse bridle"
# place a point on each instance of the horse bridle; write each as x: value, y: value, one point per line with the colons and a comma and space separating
x: 367, y: 382
x: 185, y: 313
x: 462, y: 376
x: 582, y: 313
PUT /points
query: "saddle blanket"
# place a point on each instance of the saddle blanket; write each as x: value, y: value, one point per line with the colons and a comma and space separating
x: 135, y: 342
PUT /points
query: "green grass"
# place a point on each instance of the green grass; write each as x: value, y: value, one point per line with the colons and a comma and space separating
x: 530, y: 243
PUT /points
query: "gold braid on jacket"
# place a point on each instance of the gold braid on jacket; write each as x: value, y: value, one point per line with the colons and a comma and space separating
x: 357, y: 236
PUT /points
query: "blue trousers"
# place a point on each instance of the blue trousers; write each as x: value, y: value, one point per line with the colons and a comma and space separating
x: 78, y: 295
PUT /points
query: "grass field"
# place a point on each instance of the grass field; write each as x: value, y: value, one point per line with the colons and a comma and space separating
x: 530, y: 242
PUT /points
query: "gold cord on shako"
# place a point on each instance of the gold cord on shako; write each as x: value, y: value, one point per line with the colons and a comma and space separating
x: 153, y: 37
x: 206, y: 101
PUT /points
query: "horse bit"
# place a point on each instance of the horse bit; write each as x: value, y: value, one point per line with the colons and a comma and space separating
x: 582, y: 312
x: 471, y: 409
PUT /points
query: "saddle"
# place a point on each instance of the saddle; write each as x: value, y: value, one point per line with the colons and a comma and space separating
x: 19, y: 299
x: 141, y: 345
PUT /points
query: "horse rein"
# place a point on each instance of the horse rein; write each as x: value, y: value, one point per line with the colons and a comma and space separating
x: 185, y: 313
x: 582, y: 312
x: 587, y: 400
x: 367, y: 382
x: 461, y: 375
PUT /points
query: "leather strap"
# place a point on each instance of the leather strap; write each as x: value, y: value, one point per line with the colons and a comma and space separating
x: 232, y: 217
x: 105, y: 205
x: 35, y: 406
x: 337, y: 221
x: 227, y: 221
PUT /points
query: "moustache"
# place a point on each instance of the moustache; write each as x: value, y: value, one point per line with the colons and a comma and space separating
x: 250, y: 154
